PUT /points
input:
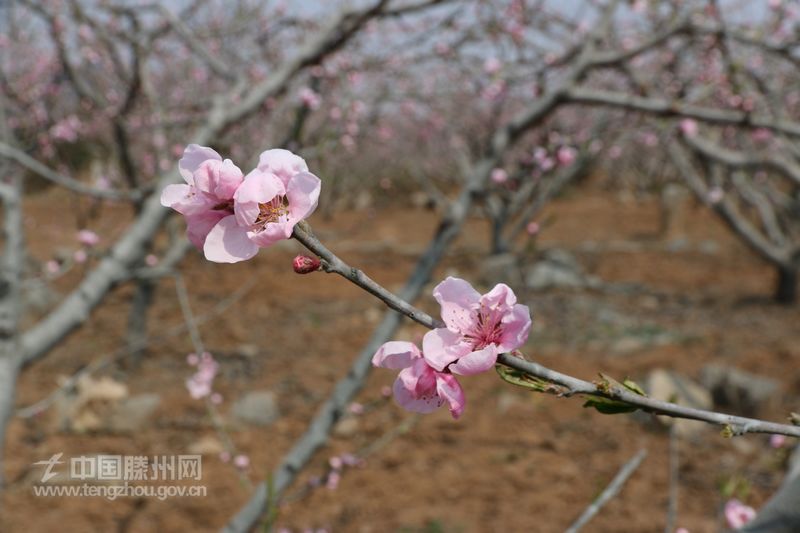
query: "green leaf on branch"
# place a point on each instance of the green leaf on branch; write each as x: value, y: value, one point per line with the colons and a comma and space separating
x: 608, y: 406
x: 521, y: 379
x: 633, y: 386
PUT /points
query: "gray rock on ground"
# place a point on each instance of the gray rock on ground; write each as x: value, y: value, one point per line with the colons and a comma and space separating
x: 256, y: 408
x: 671, y: 387
x: 741, y: 391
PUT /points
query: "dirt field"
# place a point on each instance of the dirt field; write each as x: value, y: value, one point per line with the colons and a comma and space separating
x: 515, y: 461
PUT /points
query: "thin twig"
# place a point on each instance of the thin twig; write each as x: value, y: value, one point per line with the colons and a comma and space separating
x: 674, y: 471
x: 735, y: 424
x: 609, y: 493
x: 125, y: 350
x: 68, y: 183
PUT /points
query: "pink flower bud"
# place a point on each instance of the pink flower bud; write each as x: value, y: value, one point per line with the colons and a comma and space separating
x: 302, y: 264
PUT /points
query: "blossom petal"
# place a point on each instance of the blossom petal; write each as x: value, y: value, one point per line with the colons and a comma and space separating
x: 282, y: 163
x: 396, y: 354
x: 218, y: 179
x: 230, y: 177
x: 459, y: 302
x: 406, y: 398
x: 303, y: 194
x: 175, y: 194
x: 198, y: 226
x: 516, y: 325
x: 500, y: 298
x: 258, y: 187
x: 449, y: 389
x: 440, y: 347
x: 475, y: 362
x: 228, y: 243
x: 193, y: 156
x: 185, y: 199
x: 270, y: 234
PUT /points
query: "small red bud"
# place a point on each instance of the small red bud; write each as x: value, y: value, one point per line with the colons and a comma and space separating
x: 303, y: 264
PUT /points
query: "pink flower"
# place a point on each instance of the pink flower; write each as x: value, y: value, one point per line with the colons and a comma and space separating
x: 738, y: 514
x: 532, y: 228
x: 88, y: 238
x: 762, y: 135
x: 241, y: 461
x: 206, y: 200
x: 351, y: 460
x: 566, y: 155
x: 492, y: 65
x: 309, y: 98
x: 79, y: 256
x: 199, y: 385
x: 689, y: 127
x: 418, y: 387
x: 333, y: 480
x: 499, y: 176
x: 715, y: 195
x: 267, y: 205
x: 777, y: 441
x: 479, y: 327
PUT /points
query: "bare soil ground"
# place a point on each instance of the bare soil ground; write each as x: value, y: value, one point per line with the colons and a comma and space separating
x: 516, y: 461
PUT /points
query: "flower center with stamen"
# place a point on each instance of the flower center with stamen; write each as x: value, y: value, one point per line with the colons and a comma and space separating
x: 224, y: 206
x: 272, y: 210
x: 488, y: 330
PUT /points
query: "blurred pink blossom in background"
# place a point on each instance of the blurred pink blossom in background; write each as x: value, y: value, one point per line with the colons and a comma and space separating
x: 738, y: 514
x: 88, y: 238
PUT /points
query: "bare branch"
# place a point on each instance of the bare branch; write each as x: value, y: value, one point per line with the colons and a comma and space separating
x: 71, y: 184
x: 610, y: 492
x: 666, y: 108
x: 728, y: 211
